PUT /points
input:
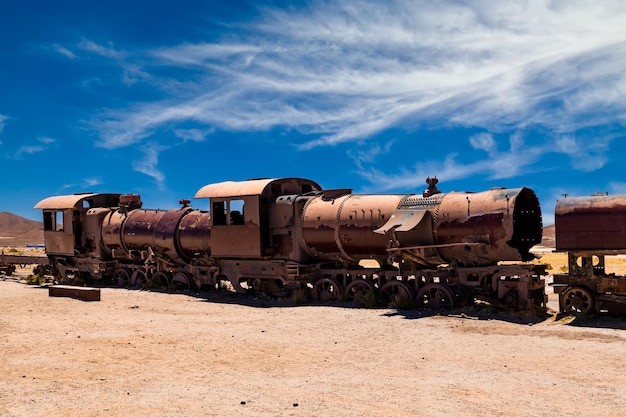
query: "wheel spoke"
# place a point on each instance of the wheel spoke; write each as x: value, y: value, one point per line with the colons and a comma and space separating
x: 397, y: 293
x: 138, y: 278
x: 181, y: 281
x: 577, y: 301
x: 327, y: 289
x: 357, y: 289
x: 435, y: 297
x: 121, y: 278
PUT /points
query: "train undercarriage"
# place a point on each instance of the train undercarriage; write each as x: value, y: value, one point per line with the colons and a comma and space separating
x: 516, y: 286
x: 588, y: 288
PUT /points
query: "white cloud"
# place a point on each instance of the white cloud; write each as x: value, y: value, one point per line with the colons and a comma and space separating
x: 516, y: 141
x: 28, y: 150
x: 497, y: 165
x: 484, y: 142
x: 148, y: 165
x: 520, y: 158
x: 345, y: 71
x: 85, y: 185
x: 196, y: 135
x: 567, y: 145
x: 92, y: 182
x: 64, y: 51
x: 585, y: 154
x: 3, y: 118
x: 23, y: 150
x: 104, y: 51
x: 46, y: 140
x: 350, y: 69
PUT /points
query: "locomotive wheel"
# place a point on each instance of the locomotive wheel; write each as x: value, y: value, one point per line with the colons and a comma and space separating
x: 121, y: 278
x: 357, y: 289
x: 397, y: 292
x: 576, y: 301
x: 326, y: 289
x: 435, y: 297
x: 138, y: 278
x: 161, y: 279
x: 181, y: 281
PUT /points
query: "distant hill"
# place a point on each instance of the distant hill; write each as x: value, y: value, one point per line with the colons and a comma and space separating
x: 549, y: 239
x: 19, y: 231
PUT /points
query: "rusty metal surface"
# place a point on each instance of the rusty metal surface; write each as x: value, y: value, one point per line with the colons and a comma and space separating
x: 359, y: 216
x: 166, y: 234
x: 194, y: 234
x: 89, y: 231
x: 344, y: 227
x: 154, y: 229
x: 111, y: 233
x: 70, y: 201
x: 139, y: 227
x: 506, y: 221
x: 257, y: 187
x: 591, y: 223
x: 466, y: 228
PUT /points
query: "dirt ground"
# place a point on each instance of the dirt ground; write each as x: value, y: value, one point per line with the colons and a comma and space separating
x: 141, y: 353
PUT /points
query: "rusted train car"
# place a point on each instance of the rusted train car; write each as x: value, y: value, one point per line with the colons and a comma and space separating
x: 279, y: 235
x: 590, y: 229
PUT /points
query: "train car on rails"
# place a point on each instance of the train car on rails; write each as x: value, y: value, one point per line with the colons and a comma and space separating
x: 277, y: 236
x: 590, y: 229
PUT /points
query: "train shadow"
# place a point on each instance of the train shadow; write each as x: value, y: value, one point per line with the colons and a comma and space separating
x: 600, y: 321
x: 479, y: 312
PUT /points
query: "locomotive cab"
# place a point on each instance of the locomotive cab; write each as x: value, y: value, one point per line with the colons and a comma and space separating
x: 63, y: 220
x: 241, y: 210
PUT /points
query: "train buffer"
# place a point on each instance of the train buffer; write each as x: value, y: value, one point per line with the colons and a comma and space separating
x: 80, y: 293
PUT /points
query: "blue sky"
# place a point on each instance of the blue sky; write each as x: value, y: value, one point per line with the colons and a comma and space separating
x: 161, y: 98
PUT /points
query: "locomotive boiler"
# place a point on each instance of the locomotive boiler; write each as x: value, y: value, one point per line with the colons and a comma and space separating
x: 284, y: 234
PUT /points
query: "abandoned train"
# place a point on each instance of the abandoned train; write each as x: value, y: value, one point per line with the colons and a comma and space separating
x: 279, y: 235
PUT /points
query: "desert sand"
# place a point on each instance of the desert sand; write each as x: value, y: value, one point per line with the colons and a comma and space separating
x: 142, y: 353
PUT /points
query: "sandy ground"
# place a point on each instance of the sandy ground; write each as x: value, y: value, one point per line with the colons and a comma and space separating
x: 140, y: 353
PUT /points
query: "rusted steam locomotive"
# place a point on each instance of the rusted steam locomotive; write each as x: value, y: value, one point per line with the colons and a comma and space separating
x: 278, y: 235
x: 589, y: 229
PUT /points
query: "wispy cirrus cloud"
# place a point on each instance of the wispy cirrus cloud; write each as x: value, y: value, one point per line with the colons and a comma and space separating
x: 25, y: 150
x: 148, y: 164
x: 346, y: 71
x: 517, y: 159
x: 86, y: 184
x: 339, y: 55
x: 495, y: 165
x: 3, y: 119
x: 195, y: 135
x: 64, y: 51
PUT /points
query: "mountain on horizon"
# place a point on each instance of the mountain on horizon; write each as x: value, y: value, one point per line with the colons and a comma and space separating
x: 549, y: 238
x: 19, y: 231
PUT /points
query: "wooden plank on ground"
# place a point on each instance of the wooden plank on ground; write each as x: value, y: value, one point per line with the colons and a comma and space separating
x: 80, y: 293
